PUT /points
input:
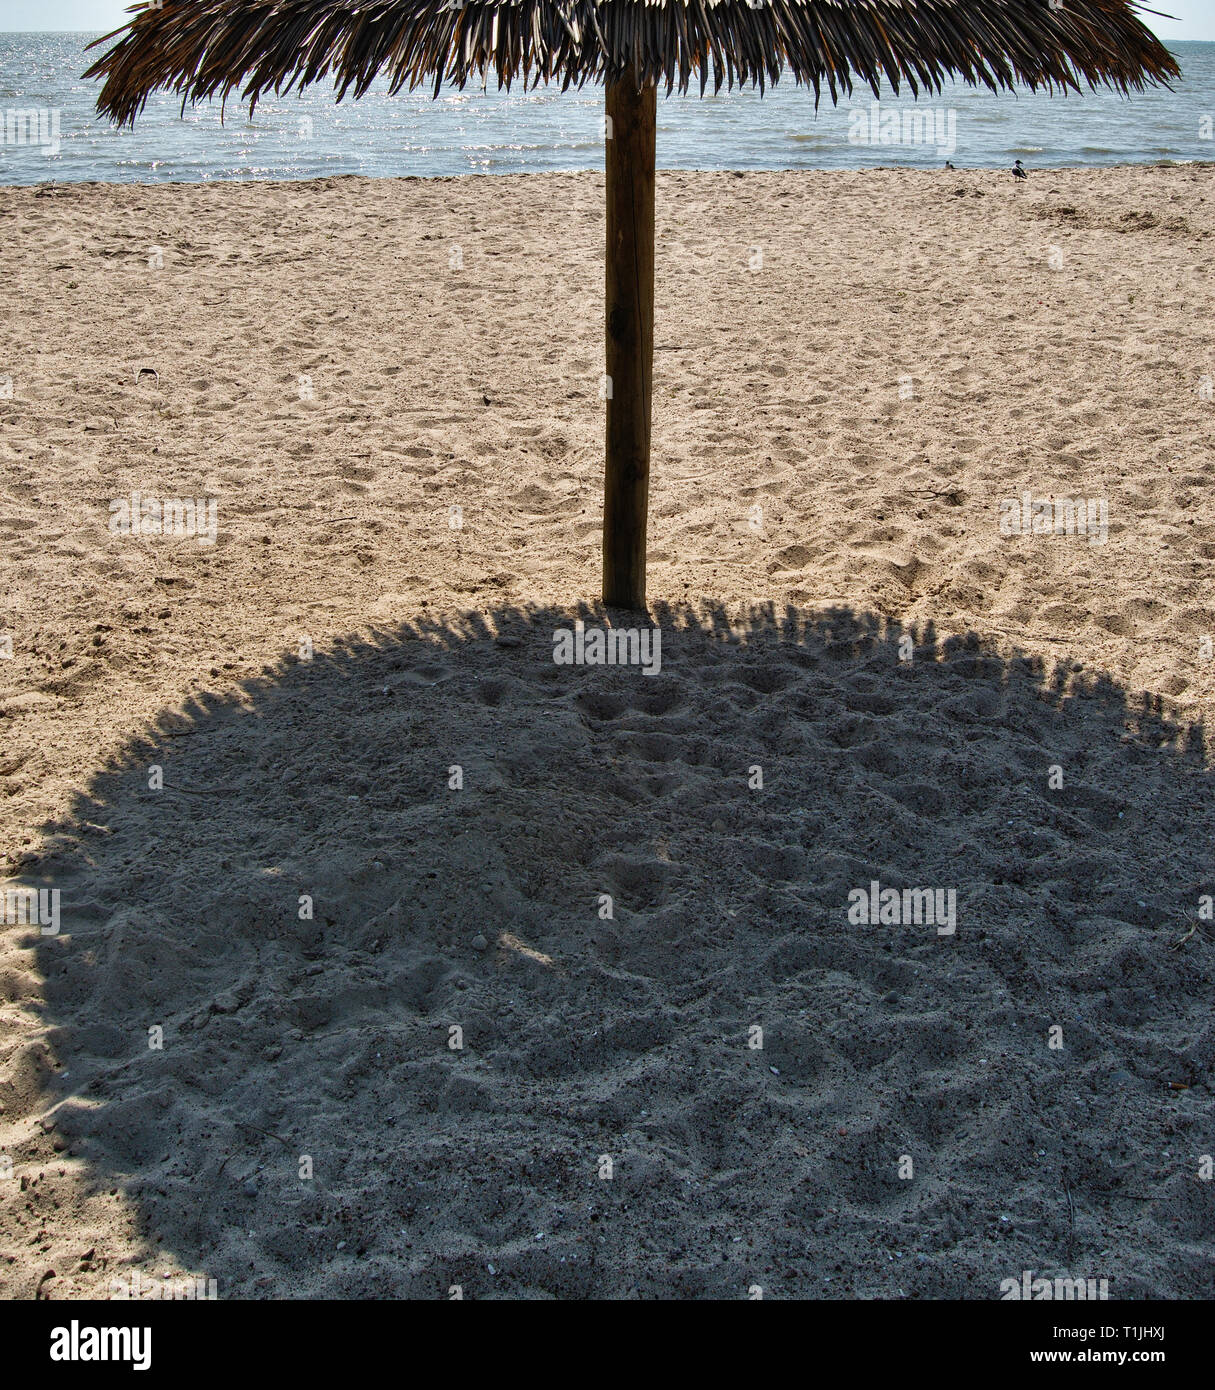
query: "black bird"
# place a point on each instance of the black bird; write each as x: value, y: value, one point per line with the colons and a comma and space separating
x: 1018, y: 171
x: 948, y: 165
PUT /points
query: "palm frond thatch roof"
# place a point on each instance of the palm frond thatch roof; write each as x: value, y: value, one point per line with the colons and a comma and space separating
x: 206, y: 48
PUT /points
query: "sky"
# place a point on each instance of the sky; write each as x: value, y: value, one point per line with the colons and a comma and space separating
x: 1195, y: 19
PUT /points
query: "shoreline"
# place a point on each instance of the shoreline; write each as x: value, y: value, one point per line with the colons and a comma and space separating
x: 794, y: 172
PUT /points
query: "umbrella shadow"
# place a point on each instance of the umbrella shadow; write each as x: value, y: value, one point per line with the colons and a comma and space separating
x: 427, y: 963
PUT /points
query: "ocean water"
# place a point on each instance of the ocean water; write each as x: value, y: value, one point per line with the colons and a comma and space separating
x: 475, y: 131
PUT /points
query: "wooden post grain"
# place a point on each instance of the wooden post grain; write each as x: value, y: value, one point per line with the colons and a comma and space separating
x: 629, y: 164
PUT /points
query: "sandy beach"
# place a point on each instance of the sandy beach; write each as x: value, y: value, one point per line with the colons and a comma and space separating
x: 385, y: 395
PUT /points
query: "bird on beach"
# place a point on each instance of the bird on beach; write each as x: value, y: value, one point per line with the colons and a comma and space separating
x: 1018, y: 171
x: 948, y: 165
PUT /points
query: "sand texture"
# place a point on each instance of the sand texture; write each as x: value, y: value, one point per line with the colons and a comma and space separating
x: 852, y: 372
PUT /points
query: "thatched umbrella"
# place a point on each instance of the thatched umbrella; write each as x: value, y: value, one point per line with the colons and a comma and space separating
x: 207, y: 48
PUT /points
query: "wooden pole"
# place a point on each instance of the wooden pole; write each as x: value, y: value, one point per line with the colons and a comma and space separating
x: 629, y: 164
